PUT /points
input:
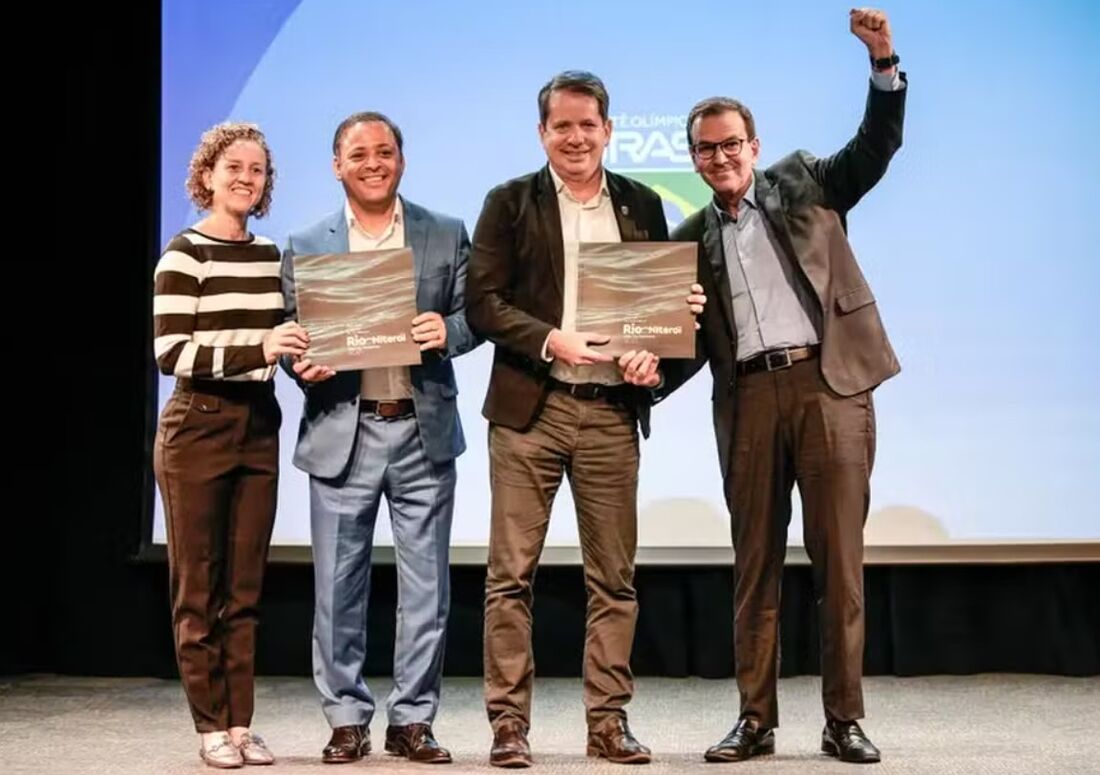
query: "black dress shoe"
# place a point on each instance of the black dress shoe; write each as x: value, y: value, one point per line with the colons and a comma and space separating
x: 347, y: 744
x: 846, y: 741
x: 416, y: 743
x: 746, y: 740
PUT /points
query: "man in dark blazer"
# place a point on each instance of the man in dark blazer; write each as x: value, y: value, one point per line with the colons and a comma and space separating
x: 557, y: 405
x: 795, y: 346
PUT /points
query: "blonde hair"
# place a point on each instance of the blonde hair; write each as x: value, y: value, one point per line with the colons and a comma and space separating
x: 213, y: 144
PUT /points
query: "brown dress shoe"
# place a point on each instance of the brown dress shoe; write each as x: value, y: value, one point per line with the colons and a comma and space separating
x: 415, y: 743
x: 347, y: 744
x: 746, y: 740
x: 510, y: 747
x: 613, y: 741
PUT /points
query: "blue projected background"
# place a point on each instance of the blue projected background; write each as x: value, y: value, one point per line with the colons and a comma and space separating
x: 982, y: 242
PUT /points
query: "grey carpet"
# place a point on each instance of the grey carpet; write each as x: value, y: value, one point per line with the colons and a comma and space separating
x: 942, y: 725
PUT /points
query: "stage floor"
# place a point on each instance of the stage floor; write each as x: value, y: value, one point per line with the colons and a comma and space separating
x: 942, y: 725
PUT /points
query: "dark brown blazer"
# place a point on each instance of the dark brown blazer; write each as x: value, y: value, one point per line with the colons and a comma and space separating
x: 514, y: 285
x: 806, y: 201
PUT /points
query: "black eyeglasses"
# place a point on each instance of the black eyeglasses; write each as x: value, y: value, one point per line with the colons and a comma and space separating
x: 730, y: 147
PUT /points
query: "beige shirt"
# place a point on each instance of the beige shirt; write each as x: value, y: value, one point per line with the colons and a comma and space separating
x: 591, y: 221
x: 391, y: 382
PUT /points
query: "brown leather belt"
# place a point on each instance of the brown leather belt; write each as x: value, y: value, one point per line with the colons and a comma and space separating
x: 774, y: 360
x: 590, y: 391
x: 389, y: 410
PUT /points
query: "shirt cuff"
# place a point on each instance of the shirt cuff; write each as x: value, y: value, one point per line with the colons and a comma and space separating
x: 546, y: 344
x: 887, y: 81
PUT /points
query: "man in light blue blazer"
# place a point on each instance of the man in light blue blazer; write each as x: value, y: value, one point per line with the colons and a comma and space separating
x: 392, y: 432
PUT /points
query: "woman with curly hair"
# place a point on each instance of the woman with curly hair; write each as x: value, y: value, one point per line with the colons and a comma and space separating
x: 217, y: 309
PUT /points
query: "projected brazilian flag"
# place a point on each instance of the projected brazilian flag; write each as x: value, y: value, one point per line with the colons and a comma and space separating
x: 683, y: 191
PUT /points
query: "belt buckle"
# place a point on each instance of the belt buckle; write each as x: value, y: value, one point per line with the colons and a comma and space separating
x: 387, y: 409
x: 777, y: 359
x: 584, y: 391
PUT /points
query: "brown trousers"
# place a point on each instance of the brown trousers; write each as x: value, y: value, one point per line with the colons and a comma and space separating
x: 595, y: 443
x: 216, y: 459
x: 791, y: 428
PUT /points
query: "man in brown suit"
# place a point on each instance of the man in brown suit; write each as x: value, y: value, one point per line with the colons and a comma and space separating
x: 795, y: 346
x: 558, y: 406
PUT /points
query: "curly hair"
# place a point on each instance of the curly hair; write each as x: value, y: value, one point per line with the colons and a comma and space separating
x: 212, y: 145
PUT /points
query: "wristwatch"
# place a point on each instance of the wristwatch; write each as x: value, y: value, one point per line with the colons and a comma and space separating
x: 885, y: 63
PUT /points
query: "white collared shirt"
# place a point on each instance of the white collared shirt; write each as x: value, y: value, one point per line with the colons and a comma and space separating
x: 387, y: 382
x: 591, y: 221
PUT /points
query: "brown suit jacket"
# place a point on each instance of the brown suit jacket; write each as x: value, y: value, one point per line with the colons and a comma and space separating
x: 514, y: 291
x: 806, y: 201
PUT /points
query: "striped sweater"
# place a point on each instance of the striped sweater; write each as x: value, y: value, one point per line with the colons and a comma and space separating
x: 213, y: 302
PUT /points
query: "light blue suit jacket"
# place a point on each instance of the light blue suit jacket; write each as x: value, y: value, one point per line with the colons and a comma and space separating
x: 441, y: 248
